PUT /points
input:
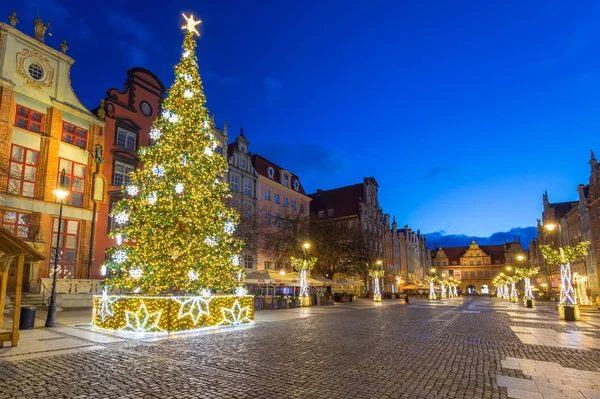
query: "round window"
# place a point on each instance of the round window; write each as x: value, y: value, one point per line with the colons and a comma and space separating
x: 36, y: 71
x: 146, y: 108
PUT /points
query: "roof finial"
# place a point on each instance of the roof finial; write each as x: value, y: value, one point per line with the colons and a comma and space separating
x: 13, y: 19
x: 40, y: 29
x: 242, y: 132
x: 64, y: 47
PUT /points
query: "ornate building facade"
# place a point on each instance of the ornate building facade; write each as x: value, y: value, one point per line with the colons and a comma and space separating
x: 129, y: 115
x: 244, y: 185
x: 476, y: 266
x: 44, y: 131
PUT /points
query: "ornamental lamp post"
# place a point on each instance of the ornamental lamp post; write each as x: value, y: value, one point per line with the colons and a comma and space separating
x: 61, y: 193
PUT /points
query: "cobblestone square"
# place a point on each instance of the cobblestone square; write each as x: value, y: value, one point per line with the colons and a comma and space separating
x: 457, y: 348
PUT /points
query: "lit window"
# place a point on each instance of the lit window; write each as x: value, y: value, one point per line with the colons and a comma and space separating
x: 17, y: 223
x: 29, y: 119
x: 23, y: 171
x: 247, y: 188
x: 121, y: 173
x: 67, y: 248
x: 268, y: 195
x: 248, y: 261
x: 126, y: 139
x: 74, y: 180
x: 276, y: 198
x: 74, y: 135
x: 235, y: 183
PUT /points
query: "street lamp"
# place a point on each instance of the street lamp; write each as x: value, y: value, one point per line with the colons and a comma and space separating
x: 61, y: 193
x: 550, y: 226
x: 432, y: 270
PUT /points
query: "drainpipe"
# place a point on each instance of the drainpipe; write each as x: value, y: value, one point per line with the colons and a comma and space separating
x: 98, y: 160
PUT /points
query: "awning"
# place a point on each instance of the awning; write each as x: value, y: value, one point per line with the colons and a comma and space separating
x: 325, y: 281
x: 295, y: 276
x: 268, y: 276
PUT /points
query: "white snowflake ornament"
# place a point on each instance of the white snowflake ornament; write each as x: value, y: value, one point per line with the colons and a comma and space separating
x: 152, y: 198
x: 179, y: 188
x: 155, y: 133
x: 136, y: 273
x: 120, y: 256
x: 158, y: 170
x: 122, y: 218
x: 193, y: 275
x: 132, y: 190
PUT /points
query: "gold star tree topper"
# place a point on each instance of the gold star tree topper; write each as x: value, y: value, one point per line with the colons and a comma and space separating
x: 191, y: 24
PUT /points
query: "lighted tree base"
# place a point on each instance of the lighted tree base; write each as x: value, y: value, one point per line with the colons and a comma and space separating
x: 305, y: 301
x: 514, y: 299
x: 170, y: 314
x: 376, y: 298
x: 561, y: 312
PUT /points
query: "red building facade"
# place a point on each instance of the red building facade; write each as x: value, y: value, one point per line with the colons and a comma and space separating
x: 129, y: 115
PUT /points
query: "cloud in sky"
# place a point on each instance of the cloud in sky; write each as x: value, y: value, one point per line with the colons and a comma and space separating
x: 134, y: 38
x: 439, y: 238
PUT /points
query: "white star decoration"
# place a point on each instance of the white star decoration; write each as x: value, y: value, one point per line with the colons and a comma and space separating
x: 190, y: 24
x: 235, y: 316
x: 132, y: 190
x: 121, y: 218
x: 155, y: 133
x: 229, y: 227
x: 136, y: 273
x: 241, y: 291
x: 120, y: 256
x: 212, y: 241
x: 194, y: 307
x: 106, y: 306
x: 142, y: 321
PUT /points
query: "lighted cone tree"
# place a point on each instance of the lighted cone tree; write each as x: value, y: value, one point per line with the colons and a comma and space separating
x: 563, y: 257
x: 303, y: 266
x: 174, y: 229
x: 443, y: 289
x: 512, y: 280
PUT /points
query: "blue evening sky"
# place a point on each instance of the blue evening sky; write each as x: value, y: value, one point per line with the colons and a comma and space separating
x: 464, y: 111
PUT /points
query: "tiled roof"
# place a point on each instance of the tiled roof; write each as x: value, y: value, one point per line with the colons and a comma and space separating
x: 343, y: 200
x: 261, y: 165
x: 496, y: 252
x: 562, y: 208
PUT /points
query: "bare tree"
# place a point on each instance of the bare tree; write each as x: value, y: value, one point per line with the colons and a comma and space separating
x: 282, y: 234
x: 341, y: 250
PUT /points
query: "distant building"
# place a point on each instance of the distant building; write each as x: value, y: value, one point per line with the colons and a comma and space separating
x: 414, y: 255
x: 44, y: 130
x: 476, y: 266
x: 244, y: 184
x: 281, y: 205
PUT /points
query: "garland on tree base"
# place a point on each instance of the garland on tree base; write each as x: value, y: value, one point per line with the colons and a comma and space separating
x: 165, y: 314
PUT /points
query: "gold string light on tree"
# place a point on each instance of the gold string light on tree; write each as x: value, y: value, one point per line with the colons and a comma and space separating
x: 174, y: 232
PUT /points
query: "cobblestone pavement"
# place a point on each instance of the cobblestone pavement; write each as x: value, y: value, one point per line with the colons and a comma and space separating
x: 442, y: 349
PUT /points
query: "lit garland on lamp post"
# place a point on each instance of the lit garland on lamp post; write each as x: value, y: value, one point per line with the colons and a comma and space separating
x: 303, y: 266
x: 432, y: 280
x: 174, y: 234
x: 568, y: 307
x: 581, y: 289
x: 376, y: 274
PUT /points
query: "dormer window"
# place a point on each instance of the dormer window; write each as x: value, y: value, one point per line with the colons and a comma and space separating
x: 286, y: 180
x: 296, y: 185
x: 270, y: 172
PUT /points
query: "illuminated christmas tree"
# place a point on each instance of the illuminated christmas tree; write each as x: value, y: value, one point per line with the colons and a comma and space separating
x: 174, y: 230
